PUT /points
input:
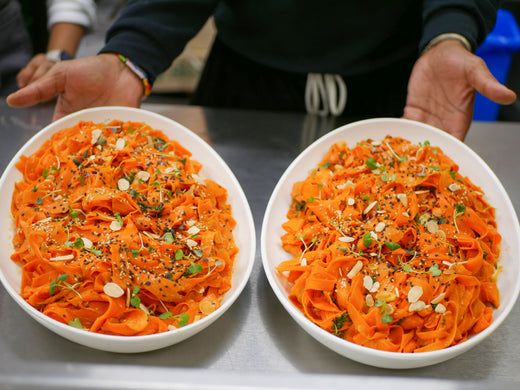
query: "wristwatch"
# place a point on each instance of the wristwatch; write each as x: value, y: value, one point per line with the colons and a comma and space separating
x: 58, y: 55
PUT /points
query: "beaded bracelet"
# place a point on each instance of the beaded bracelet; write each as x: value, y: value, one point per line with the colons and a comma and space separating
x: 138, y: 72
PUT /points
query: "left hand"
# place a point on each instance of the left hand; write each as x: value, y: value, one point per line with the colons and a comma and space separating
x: 35, y: 69
x: 441, y: 89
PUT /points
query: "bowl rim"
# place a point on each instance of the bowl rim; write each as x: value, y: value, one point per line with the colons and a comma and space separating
x: 140, y: 343
x: 384, y: 359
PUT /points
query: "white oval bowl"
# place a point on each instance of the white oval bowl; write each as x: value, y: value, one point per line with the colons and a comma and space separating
x: 213, y: 167
x: 470, y: 165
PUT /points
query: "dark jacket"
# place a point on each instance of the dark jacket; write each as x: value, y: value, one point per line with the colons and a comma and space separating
x: 347, y: 37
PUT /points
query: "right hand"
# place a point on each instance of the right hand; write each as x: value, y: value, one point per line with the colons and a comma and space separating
x: 101, y: 80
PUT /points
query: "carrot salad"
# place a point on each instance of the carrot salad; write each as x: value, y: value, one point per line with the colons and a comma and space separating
x: 117, y: 234
x: 393, y: 248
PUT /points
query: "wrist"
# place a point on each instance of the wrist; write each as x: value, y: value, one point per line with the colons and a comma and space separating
x: 445, y: 37
x: 139, y: 72
x: 58, y: 55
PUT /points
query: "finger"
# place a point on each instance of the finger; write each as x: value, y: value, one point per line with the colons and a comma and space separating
x: 25, y: 75
x: 41, y: 70
x: 487, y: 85
x: 41, y: 90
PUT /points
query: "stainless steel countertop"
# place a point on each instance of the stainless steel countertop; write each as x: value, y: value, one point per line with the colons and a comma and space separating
x: 255, y: 344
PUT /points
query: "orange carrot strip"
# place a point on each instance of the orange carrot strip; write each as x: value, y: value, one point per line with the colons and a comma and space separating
x: 392, y: 248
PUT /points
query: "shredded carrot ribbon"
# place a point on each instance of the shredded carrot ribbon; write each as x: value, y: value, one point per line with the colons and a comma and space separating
x: 393, y: 248
x: 117, y: 234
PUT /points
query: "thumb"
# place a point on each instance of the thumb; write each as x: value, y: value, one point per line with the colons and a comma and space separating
x: 41, y: 90
x: 487, y: 85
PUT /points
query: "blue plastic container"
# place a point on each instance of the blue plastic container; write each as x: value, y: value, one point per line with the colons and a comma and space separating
x: 497, y: 50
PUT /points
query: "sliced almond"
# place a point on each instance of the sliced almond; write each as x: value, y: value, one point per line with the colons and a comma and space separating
x: 438, y: 298
x: 153, y: 236
x: 62, y: 258
x: 369, y: 300
x: 346, y: 239
x: 144, y: 308
x: 115, y: 226
x: 191, y: 243
x: 123, y: 184
x: 368, y: 282
x: 206, y: 307
x: 113, y: 290
x: 142, y: 176
x: 417, y: 306
x: 351, y: 201
x: 198, y: 179
x: 96, y: 133
x: 440, y: 308
x: 193, y: 230
x: 415, y: 293
x: 454, y: 187
x: 370, y: 207
x: 355, y: 269
x: 120, y: 144
x: 87, y: 243
x: 403, y: 199
x: 440, y: 234
x: 380, y: 227
x: 432, y: 227
x: 375, y: 287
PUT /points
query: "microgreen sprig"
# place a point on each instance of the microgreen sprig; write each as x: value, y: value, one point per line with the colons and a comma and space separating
x: 386, y: 317
x: 339, y: 321
x: 60, y: 281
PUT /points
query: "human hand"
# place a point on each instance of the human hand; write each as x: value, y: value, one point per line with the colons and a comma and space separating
x: 36, y: 68
x: 441, y: 89
x: 101, y: 80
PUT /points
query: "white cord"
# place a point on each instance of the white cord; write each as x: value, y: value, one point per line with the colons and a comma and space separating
x: 325, y: 94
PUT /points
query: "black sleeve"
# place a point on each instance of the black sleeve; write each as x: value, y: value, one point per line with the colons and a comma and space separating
x: 152, y: 33
x: 472, y: 19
